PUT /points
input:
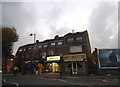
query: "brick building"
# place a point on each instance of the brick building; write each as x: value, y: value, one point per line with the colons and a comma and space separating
x: 73, y: 48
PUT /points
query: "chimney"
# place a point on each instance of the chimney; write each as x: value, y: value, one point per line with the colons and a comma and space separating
x: 57, y: 36
x: 37, y: 41
x: 72, y: 31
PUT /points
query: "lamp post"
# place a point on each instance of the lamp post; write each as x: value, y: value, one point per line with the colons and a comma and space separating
x: 34, y: 36
x: 34, y: 43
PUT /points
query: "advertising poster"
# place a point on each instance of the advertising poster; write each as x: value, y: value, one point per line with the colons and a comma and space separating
x: 109, y: 58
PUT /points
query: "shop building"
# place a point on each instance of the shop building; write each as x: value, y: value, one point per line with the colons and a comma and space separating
x: 73, y: 48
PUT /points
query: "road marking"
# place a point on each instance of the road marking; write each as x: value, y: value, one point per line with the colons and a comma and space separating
x: 11, y: 82
x: 69, y: 82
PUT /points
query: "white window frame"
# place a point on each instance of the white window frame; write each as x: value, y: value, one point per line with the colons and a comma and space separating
x: 79, y: 38
x: 70, y: 39
x: 45, y: 45
x: 52, y: 44
x: 74, y: 49
x: 59, y: 43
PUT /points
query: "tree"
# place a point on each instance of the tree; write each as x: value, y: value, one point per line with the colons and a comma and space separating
x: 9, y: 36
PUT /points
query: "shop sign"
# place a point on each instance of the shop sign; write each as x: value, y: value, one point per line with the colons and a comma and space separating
x: 53, y: 58
x: 74, y: 57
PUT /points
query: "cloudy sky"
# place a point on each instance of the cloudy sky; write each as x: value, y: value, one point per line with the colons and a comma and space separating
x: 47, y: 18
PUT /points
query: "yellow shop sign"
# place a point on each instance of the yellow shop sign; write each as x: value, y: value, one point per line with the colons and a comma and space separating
x: 53, y: 58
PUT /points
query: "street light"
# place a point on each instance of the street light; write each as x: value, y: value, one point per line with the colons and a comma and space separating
x: 34, y: 36
x: 34, y: 43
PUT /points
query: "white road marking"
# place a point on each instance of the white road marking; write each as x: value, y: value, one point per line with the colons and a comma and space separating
x: 11, y: 82
x: 69, y: 82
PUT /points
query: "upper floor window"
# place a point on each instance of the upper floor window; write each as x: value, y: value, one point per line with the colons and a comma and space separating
x: 74, y: 49
x: 52, y: 44
x: 40, y: 46
x: 59, y: 43
x: 20, y: 50
x: 50, y: 52
x: 70, y: 39
x: 29, y: 48
x: 34, y: 47
x: 45, y: 45
x: 79, y: 38
x: 24, y: 50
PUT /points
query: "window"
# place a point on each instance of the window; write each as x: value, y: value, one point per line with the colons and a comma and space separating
x: 59, y: 43
x: 34, y: 47
x: 74, y: 49
x: 20, y: 50
x: 79, y: 39
x: 29, y: 48
x: 40, y: 46
x: 44, y: 55
x: 45, y: 45
x: 24, y: 50
x: 70, y: 39
x: 50, y: 52
x: 52, y: 44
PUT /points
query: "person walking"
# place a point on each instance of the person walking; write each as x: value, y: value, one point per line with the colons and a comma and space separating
x: 16, y: 69
x: 36, y: 70
x: 40, y: 67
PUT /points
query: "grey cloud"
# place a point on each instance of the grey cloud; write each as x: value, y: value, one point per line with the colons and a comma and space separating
x: 16, y: 14
x: 101, y: 25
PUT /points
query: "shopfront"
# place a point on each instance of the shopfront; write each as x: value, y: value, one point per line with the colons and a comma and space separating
x: 75, y: 63
x: 52, y: 64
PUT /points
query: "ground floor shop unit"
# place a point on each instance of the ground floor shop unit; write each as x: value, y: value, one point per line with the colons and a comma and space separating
x: 75, y: 63
x: 52, y: 67
x: 75, y: 67
x: 52, y: 64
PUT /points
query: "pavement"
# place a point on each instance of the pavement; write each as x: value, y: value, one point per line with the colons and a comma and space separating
x: 85, y: 79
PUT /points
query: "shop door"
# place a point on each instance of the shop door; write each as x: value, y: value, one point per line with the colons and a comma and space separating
x: 74, y: 67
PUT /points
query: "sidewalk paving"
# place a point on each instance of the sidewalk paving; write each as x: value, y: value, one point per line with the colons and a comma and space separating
x: 85, y: 79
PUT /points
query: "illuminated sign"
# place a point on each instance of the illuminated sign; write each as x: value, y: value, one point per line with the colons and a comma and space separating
x: 53, y: 58
x: 75, y: 57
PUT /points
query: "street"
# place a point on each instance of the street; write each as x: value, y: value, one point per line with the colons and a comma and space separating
x: 34, y: 80
x: 52, y: 79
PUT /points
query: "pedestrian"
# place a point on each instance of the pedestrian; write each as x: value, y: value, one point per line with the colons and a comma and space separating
x: 8, y: 68
x: 16, y: 69
x: 36, y: 70
x: 40, y: 67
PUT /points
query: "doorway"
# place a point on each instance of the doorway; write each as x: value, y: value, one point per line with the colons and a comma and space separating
x: 74, y: 67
